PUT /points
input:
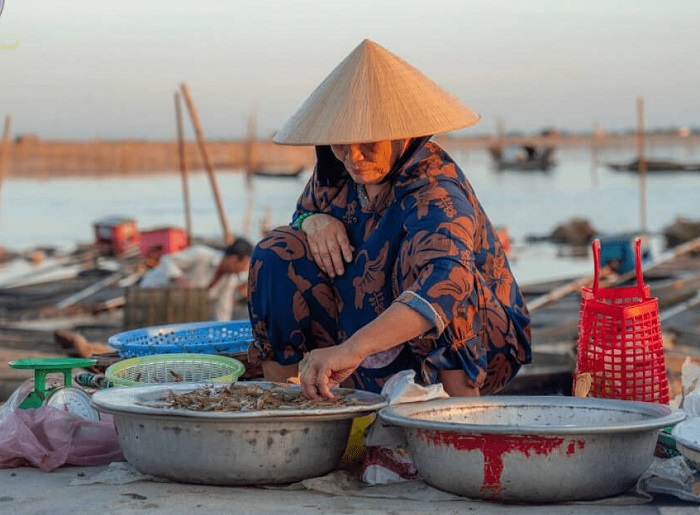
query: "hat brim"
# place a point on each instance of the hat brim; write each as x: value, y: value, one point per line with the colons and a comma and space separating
x: 373, y: 95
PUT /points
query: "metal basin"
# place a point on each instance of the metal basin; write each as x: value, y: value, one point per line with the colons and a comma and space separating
x: 687, y: 436
x: 531, y: 449
x: 230, y: 448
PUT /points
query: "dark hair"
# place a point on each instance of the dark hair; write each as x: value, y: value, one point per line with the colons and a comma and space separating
x: 329, y: 169
x: 240, y: 248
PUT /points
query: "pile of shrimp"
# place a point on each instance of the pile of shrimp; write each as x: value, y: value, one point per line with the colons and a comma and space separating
x: 246, y: 398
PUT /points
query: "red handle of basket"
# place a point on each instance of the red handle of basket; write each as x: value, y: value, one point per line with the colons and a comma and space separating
x: 596, y: 266
x: 638, y: 266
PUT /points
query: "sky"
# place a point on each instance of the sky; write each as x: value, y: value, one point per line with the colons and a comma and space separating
x: 87, y: 69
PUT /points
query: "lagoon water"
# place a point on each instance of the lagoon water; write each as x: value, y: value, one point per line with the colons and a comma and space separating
x: 61, y: 212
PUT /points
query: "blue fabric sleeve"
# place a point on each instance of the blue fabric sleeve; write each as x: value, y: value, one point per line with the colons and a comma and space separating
x: 440, y: 224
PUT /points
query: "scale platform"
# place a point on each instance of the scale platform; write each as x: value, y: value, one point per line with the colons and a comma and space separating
x: 64, y: 397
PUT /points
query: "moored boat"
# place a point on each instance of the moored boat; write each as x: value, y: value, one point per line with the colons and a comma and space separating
x: 279, y: 173
x: 655, y: 165
x: 523, y: 158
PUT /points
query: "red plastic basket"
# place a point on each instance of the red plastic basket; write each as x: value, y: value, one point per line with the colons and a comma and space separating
x: 619, y: 339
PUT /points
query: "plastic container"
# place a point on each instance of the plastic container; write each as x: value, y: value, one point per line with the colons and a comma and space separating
x: 617, y: 251
x: 163, y: 240
x: 174, y: 368
x: 199, y: 337
x: 116, y: 235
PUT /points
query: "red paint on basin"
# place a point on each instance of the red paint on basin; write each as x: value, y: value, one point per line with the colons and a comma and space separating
x: 494, y: 447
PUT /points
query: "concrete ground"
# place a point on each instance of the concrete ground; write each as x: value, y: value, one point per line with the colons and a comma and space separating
x: 29, y: 491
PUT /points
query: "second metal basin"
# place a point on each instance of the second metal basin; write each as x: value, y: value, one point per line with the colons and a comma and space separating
x: 531, y: 449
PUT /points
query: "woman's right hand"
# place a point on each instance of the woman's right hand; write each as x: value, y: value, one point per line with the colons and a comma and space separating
x: 326, y: 368
x: 328, y: 242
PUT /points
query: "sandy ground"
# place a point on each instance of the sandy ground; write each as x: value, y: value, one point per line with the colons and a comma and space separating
x: 33, y: 492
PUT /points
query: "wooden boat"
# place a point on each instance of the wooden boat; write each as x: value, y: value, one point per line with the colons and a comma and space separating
x: 278, y: 173
x: 523, y: 158
x: 656, y: 166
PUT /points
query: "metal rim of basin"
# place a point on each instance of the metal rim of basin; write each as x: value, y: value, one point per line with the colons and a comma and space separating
x: 133, y: 400
x: 687, y: 439
x: 408, y: 415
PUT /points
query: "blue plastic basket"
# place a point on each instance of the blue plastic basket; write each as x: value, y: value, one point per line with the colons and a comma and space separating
x: 197, y: 338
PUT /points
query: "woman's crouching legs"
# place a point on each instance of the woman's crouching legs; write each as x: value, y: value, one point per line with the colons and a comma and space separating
x: 273, y: 371
x: 290, y: 304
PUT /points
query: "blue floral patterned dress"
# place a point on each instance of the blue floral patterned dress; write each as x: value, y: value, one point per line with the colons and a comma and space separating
x: 424, y: 241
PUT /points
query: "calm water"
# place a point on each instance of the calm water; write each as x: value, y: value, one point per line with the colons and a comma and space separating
x: 61, y: 212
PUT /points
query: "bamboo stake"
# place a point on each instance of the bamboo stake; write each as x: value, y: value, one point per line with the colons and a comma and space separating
x: 641, y: 143
x: 4, y: 151
x: 500, y: 132
x: 563, y: 290
x: 595, y: 148
x: 680, y: 308
x: 248, y: 214
x: 249, y: 149
x: 689, y: 246
x: 86, y: 292
x: 609, y: 281
x: 228, y: 238
x: 266, y: 224
x: 249, y: 160
x: 183, y: 167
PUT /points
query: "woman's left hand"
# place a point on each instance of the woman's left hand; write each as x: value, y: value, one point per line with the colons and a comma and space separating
x: 328, y: 243
x: 326, y: 368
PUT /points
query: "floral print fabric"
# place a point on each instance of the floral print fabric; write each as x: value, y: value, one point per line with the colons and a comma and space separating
x: 424, y: 241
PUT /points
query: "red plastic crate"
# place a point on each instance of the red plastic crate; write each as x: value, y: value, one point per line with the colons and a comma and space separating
x: 164, y: 240
x: 116, y: 235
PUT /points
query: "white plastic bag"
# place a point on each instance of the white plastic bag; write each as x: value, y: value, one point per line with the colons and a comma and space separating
x: 388, y: 459
x: 689, y: 400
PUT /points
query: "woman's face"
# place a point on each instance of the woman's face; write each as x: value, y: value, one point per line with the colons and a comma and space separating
x: 369, y: 163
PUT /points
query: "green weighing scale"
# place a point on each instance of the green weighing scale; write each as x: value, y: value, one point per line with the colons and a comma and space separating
x: 66, y: 397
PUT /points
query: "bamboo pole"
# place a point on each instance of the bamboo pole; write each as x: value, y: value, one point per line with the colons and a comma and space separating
x: 249, y: 161
x: 248, y: 214
x: 563, y: 290
x: 249, y: 149
x: 183, y: 167
x: 680, y: 308
x: 641, y: 144
x: 228, y: 238
x: 676, y: 252
x: 610, y: 281
x: 266, y: 224
x: 500, y: 132
x: 86, y: 292
x: 4, y: 151
x: 597, y: 134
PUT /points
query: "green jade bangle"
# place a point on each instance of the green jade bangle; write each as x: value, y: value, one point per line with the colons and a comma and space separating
x: 300, y: 220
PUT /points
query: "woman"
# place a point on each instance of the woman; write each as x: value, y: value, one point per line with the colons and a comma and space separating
x: 390, y: 262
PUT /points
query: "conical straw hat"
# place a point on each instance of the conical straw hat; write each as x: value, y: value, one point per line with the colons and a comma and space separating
x: 373, y: 95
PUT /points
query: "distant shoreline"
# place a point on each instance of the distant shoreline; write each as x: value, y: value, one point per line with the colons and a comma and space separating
x: 31, y: 157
